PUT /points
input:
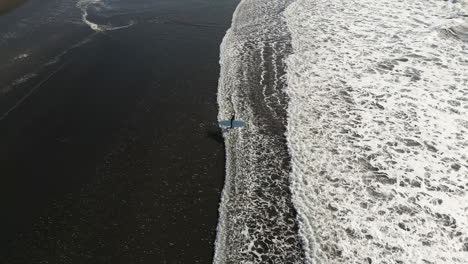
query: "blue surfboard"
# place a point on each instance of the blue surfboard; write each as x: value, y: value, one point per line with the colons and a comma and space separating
x: 235, y: 123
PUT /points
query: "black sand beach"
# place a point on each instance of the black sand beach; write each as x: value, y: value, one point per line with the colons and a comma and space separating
x: 111, y: 152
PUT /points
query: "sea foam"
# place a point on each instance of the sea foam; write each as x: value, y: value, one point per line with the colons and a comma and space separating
x: 377, y: 130
x: 257, y: 223
x: 98, y: 6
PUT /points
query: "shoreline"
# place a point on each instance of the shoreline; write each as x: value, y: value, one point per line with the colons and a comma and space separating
x: 257, y: 218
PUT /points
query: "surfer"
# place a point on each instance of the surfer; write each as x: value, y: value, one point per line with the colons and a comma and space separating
x: 232, y: 121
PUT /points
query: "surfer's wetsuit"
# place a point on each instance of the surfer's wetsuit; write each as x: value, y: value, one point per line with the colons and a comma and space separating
x: 232, y: 120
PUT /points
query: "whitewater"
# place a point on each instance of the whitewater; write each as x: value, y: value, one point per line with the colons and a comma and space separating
x: 108, y: 12
x: 257, y: 222
x: 377, y: 130
x: 370, y: 99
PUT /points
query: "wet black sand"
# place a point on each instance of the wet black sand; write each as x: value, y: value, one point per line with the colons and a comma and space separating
x: 9, y: 5
x: 116, y: 156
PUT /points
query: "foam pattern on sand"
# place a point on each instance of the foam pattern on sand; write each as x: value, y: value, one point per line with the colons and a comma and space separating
x: 377, y: 130
x: 257, y: 223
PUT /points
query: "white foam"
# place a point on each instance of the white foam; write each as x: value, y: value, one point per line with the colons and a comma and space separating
x: 84, y: 5
x: 30, y: 92
x: 377, y: 130
x: 256, y: 222
x: 17, y: 82
x: 21, y: 56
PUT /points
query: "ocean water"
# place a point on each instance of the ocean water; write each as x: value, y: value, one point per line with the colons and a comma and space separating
x: 257, y: 222
x: 374, y: 99
x: 377, y: 130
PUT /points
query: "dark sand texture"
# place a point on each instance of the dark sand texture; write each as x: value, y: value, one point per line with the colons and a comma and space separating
x: 116, y: 156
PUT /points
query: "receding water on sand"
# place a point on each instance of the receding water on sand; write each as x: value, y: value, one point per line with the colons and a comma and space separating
x: 110, y: 149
